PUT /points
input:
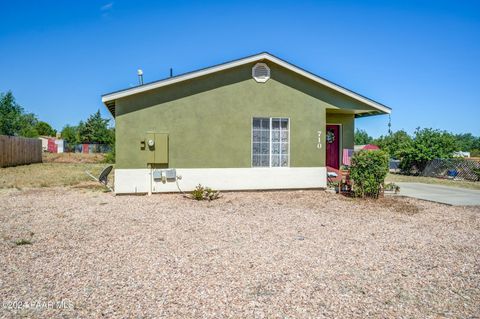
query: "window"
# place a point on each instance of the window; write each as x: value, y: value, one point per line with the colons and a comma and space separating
x: 270, y: 142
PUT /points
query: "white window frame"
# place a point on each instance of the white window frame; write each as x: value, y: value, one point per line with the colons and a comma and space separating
x: 270, y: 141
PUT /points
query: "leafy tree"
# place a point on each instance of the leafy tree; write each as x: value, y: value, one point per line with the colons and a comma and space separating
x: 44, y: 129
x: 362, y: 137
x: 394, y: 144
x: 14, y: 120
x: 95, y: 130
x: 70, y: 134
x: 10, y: 115
x: 428, y: 144
x: 28, y: 124
x: 467, y: 142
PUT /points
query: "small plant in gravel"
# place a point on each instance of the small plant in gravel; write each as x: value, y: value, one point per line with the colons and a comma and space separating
x: 204, y: 193
x: 23, y: 241
x: 392, y: 187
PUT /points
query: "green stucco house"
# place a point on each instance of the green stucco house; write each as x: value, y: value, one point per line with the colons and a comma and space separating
x: 254, y: 123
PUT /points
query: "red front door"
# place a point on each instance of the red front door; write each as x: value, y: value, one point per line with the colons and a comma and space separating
x: 333, y: 146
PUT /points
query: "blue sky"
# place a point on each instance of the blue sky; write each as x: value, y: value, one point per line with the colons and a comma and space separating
x: 422, y: 58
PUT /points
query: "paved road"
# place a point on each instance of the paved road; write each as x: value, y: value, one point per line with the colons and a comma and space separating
x: 441, y: 194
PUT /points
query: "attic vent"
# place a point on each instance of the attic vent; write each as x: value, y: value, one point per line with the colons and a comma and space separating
x: 261, y: 72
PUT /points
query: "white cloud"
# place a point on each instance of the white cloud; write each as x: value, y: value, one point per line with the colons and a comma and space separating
x: 107, y: 6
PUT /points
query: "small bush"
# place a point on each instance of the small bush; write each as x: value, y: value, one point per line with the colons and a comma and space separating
x: 204, y: 193
x: 368, y: 171
x: 392, y: 187
x: 23, y: 241
x: 110, y: 157
x: 197, y: 193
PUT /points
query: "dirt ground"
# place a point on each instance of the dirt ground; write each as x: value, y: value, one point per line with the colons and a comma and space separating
x: 73, y: 158
x: 72, y: 252
x: 49, y: 174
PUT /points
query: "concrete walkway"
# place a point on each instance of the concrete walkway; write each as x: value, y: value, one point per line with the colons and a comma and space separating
x: 442, y: 194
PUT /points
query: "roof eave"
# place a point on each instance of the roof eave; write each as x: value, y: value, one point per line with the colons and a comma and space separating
x: 111, y: 97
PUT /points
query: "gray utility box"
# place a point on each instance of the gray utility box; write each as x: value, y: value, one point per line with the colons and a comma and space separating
x: 165, y: 174
x: 171, y: 173
x: 157, y: 174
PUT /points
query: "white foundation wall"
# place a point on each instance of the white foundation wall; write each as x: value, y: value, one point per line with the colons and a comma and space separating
x: 129, y: 181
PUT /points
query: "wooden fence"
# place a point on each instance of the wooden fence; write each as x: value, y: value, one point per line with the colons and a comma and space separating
x: 19, y: 150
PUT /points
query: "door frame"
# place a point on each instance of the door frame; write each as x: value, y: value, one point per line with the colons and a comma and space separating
x: 340, y: 144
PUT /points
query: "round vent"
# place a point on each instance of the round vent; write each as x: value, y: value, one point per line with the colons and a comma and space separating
x: 261, y: 72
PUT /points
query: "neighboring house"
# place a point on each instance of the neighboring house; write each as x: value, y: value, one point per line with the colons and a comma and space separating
x: 52, y: 144
x: 366, y: 147
x: 44, y: 140
x: 461, y: 154
x: 253, y: 123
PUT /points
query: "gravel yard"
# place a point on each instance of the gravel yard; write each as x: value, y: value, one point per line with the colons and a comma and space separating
x: 295, y: 254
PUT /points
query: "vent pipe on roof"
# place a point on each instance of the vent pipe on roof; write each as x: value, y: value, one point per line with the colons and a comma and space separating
x: 140, y: 76
x: 171, y: 72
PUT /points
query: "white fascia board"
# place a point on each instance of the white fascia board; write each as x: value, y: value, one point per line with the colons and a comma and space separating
x: 330, y: 85
x: 261, y: 56
x: 188, y: 76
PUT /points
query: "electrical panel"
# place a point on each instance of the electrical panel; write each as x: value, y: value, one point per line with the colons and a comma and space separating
x: 156, y: 146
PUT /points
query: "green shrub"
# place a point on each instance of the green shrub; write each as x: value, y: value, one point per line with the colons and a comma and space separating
x: 392, y: 187
x: 23, y: 241
x: 197, y: 193
x: 110, y: 157
x: 368, y: 171
x: 204, y: 193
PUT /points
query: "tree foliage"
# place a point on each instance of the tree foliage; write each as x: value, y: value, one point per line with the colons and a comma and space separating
x: 95, y: 130
x: 70, y: 134
x: 394, y: 144
x: 467, y: 142
x: 28, y: 125
x: 427, y: 144
x: 362, y: 137
x: 44, y: 129
x: 15, y: 122
x: 368, y: 171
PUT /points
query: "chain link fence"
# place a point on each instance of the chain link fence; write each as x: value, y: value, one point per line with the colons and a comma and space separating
x: 453, y: 168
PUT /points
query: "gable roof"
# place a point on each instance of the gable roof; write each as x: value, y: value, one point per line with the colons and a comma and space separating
x: 109, y: 98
